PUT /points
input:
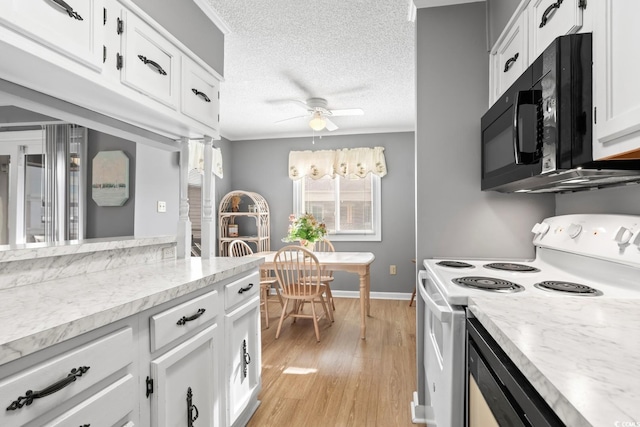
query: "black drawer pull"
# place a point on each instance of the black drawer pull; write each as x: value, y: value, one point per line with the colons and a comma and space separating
x: 510, y: 62
x: 73, y: 14
x: 545, y: 15
x: 154, y: 64
x: 201, y: 95
x: 249, y: 286
x: 185, y: 319
x: 31, y: 395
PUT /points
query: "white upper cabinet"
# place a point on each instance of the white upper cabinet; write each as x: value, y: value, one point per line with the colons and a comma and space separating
x: 199, y: 93
x: 150, y: 63
x: 617, y: 87
x: 509, y: 57
x: 553, y: 18
x: 70, y: 27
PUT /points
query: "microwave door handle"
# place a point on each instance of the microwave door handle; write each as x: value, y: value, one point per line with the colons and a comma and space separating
x: 443, y: 314
x: 526, y: 97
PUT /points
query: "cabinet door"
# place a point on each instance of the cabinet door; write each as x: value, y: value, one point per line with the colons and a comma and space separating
x: 150, y: 63
x: 616, y: 69
x: 551, y: 19
x: 199, y: 93
x: 187, y: 383
x: 71, y: 27
x: 509, y: 58
x: 243, y: 362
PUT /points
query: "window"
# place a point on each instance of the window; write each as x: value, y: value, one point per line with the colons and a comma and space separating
x: 350, y: 208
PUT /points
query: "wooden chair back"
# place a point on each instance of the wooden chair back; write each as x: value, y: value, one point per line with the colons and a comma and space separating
x: 324, y: 246
x: 238, y: 248
x: 297, y: 272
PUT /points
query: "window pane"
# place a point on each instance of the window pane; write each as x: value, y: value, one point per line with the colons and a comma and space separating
x: 355, y: 204
x: 319, y: 200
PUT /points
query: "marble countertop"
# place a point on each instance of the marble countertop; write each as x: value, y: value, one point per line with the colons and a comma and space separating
x: 581, y: 354
x: 36, y: 316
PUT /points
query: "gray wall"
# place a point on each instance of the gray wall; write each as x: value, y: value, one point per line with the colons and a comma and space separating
x: 157, y: 178
x: 498, y: 14
x: 261, y: 167
x: 620, y: 200
x: 454, y: 218
x: 186, y: 22
x: 110, y: 221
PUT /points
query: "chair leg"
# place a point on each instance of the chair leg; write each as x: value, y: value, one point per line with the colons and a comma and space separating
x: 284, y: 311
x: 327, y: 311
x: 315, y: 321
x: 413, y: 296
x: 330, y: 297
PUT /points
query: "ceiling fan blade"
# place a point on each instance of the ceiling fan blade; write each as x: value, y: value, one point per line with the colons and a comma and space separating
x: 291, y: 118
x: 302, y: 104
x: 329, y: 124
x: 347, y: 112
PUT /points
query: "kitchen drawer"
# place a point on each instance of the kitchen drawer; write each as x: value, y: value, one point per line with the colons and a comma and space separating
x: 150, y: 63
x: 74, y: 32
x: 178, y: 321
x: 103, y: 409
x: 102, y: 357
x: 241, y: 290
x: 557, y: 19
x: 199, y: 93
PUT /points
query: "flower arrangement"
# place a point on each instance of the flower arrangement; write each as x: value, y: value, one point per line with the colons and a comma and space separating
x: 305, y: 228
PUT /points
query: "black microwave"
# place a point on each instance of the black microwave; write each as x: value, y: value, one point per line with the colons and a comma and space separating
x: 538, y: 136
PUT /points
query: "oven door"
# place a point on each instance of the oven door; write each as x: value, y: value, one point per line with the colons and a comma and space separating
x: 443, y: 336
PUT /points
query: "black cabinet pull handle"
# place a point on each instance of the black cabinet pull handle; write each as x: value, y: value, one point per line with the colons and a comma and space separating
x: 73, y: 14
x: 201, y: 95
x: 545, y: 15
x: 249, y: 286
x: 153, y: 64
x: 31, y: 395
x: 190, y: 408
x: 185, y: 319
x: 246, y: 358
x: 510, y: 62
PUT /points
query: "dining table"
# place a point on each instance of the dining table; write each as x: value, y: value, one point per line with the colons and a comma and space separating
x: 350, y: 262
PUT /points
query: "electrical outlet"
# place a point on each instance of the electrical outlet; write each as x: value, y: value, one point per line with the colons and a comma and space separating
x: 392, y: 269
x: 169, y: 253
x: 162, y: 206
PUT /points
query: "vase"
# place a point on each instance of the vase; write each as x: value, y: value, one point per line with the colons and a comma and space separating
x: 308, y: 245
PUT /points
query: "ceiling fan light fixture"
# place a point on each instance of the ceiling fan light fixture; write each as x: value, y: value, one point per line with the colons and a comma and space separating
x: 317, y: 123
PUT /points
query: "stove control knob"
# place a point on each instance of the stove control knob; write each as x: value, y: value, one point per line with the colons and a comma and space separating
x: 540, y: 228
x: 622, y: 236
x: 574, y: 230
x: 636, y: 240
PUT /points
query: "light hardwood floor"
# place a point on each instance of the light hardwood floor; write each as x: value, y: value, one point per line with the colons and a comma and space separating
x: 342, y: 380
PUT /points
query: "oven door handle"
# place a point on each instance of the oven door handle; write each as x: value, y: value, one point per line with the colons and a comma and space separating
x: 442, y: 313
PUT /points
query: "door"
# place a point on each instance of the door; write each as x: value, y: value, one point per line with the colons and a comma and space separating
x: 616, y: 67
x: 243, y: 357
x: 186, y: 389
x: 551, y: 19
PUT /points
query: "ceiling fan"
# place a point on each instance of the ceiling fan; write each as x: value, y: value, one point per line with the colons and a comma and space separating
x: 319, y: 113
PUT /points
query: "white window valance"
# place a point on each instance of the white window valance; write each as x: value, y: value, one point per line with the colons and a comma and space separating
x: 196, y: 162
x: 347, y: 162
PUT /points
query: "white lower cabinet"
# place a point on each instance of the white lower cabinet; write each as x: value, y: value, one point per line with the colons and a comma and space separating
x: 186, y: 389
x: 617, y: 88
x: 243, y: 363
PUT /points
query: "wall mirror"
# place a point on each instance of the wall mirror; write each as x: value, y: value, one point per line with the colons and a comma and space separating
x: 46, y: 149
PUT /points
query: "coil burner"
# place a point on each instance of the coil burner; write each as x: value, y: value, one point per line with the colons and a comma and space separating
x: 455, y: 264
x: 568, y: 288
x: 488, y: 284
x: 509, y: 266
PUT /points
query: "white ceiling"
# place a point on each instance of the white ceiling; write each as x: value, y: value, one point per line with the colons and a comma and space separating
x: 353, y: 53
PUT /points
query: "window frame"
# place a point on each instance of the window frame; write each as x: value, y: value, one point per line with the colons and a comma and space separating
x: 348, y: 235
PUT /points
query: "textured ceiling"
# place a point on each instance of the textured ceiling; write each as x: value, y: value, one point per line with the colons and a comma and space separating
x: 353, y: 53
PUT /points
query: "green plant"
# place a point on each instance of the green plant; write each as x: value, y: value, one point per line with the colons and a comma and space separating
x: 305, y: 228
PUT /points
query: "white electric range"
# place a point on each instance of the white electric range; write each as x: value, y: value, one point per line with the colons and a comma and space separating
x: 577, y: 256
